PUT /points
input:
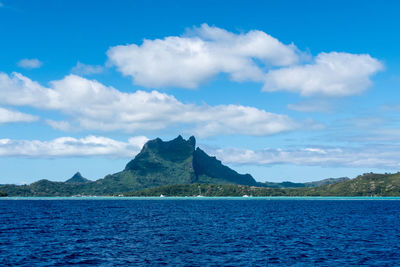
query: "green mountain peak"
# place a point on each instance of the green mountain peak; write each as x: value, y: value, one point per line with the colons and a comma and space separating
x: 77, y: 178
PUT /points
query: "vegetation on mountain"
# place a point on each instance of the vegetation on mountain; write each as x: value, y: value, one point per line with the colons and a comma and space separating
x: 368, y: 184
x: 3, y: 194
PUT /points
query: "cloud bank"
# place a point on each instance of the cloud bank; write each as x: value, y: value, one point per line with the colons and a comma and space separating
x: 94, y: 106
x: 72, y: 147
x: 382, y: 156
x: 7, y: 115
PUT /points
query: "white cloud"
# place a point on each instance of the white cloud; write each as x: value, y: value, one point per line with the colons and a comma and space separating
x: 311, y: 106
x: 190, y: 60
x: 84, y: 69
x: 7, y: 115
x: 332, y: 74
x: 27, y: 63
x: 382, y: 156
x: 199, y: 55
x: 72, y: 147
x: 94, y: 106
x: 59, y: 125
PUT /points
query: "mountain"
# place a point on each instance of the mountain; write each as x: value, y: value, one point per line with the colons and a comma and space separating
x: 173, y: 162
x: 76, y: 179
x: 159, y: 163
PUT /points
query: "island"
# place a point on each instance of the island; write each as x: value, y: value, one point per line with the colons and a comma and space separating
x: 179, y: 168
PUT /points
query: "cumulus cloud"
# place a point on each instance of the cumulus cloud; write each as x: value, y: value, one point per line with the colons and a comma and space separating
x: 70, y: 147
x: 84, y: 69
x: 331, y: 74
x: 382, y: 156
x: 94, y: 106
x: 189, y: 60
x: 202, y: 53
x: 7, y: 115
x: 27, y: 63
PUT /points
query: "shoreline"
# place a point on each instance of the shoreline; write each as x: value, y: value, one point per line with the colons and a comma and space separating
x: 204, y: 198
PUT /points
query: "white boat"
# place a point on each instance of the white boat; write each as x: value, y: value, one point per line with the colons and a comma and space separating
x: 162, y: 195
x: 245, y: 196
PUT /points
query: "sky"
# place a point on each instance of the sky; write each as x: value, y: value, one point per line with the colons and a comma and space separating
x: 283, y: 90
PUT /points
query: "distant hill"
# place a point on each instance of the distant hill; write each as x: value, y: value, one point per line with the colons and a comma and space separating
x: 288, y: 184
x: 326, y: 181
x: 368, y: 184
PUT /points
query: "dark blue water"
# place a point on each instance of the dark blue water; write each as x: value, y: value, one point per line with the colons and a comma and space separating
x: 199, y: 232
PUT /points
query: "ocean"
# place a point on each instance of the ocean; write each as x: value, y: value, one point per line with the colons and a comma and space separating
x: 199, y: 231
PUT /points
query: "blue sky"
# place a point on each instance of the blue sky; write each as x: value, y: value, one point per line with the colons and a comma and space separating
x: 283, y: 90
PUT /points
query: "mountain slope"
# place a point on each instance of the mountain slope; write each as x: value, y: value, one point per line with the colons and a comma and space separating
x: 210, y: 170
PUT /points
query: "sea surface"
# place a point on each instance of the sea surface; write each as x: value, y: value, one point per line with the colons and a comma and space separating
x: 199, y: 231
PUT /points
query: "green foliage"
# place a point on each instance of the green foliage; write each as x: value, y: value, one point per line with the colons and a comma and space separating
x: 3, y: 194
x: 369, y: 184
x: 209, y: 190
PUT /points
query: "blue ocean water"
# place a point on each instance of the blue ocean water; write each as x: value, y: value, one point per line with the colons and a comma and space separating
x: 199, y: 232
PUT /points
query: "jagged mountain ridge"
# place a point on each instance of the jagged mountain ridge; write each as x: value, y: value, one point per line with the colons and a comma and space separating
x: 176, y: 162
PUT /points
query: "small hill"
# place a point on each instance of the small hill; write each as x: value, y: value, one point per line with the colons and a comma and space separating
x: 368, y: 184
x: 76, y: 179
